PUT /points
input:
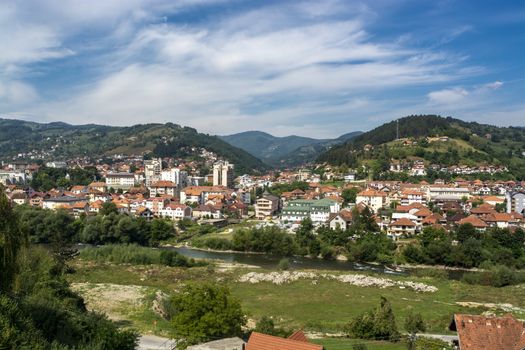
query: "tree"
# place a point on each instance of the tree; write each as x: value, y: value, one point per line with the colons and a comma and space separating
x: 413, y: 324
x: 265, y: 326
x: 304, y: 234
x: 11, y: 240
x: 377, y: 324
x: 204, y: 312
x: 349, y: 195
x: 108, y: 208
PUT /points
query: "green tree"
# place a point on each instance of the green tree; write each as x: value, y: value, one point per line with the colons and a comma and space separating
x: 413, y: 324
x: 266, y: 326
x: 377, y: 324
x: 349, y: 195
x: 204, y: 312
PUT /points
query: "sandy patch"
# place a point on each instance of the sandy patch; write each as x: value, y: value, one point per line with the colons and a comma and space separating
x: 112, y: 299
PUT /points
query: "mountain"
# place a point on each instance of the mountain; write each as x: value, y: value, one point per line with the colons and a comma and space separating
x: 283, y: 151
x: 464, y: 143
x: 61, y: 141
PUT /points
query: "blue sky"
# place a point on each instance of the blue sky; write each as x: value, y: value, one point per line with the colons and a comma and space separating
x: 313, y: 68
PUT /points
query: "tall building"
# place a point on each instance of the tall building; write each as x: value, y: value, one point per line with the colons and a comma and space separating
x: 152, y: 170
x: 223, y: 174
x: 515, y: 202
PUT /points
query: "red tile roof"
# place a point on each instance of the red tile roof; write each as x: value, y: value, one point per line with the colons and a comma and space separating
x: 259, y: 341
x: 474, y: 221
x: 489, y: 333
x: 403, y: 222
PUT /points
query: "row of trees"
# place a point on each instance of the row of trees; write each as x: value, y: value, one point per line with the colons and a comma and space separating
x: 45, y: 226
x: 38, y: 310
x: 435, y: 246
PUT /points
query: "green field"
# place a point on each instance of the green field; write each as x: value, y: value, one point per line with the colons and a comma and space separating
x: 323, y: 307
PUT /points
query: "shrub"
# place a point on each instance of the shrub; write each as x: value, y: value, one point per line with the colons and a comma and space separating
x: 284, y: 264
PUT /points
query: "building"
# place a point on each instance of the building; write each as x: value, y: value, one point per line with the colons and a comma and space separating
x: 176, y: 212
x: 152, y: 170
x: 317, y: 210
x: 341, y: 220
x: 297, y: 341
x: 223, y: 174
x: 160, y: 188
x: 175, y: 175
x: 120, y: 180
x: 402, y: 227
x: 515, y: 202
x: 373, y: 199
x: 12, y: 177
x: 266, y: 206
x: 54, y: 203
x: 56, y: 164
x: 476, y: 332
x: 441, y: 193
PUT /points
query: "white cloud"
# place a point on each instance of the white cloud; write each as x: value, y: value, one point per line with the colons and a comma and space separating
x: 494, y: 85
x: 448, y: 96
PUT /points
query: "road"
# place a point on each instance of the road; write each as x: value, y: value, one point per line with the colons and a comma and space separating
x: 152, y: 342
x: 447, y: 338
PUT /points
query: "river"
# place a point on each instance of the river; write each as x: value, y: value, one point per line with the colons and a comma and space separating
x: 271, y: 261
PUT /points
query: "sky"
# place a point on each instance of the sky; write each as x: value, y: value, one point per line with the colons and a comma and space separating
x: 313, y: 68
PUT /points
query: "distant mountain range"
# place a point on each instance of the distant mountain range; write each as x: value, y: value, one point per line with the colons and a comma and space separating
x: 284, y: 151
x: 62, y: 141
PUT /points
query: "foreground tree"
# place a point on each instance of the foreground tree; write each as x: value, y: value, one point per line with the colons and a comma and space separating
x: 413, y: 324
x: 204, y: 312
x: 377, y: 324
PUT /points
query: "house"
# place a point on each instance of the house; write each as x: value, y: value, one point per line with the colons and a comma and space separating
x: 266, y: 206
x: 98, y: 186
x: 402, y: 227
x: 19, y: 197
x: 54, y: 203
x: 373, y: 199
x: 145, y: 213
x: 176, y: 212
x: 160, y: 188
x: 206, y: 211
x: 260, y: 341
x: 474, y: 221
x: 483, y: 210
x: 477, y: 332
x: 340, y: 220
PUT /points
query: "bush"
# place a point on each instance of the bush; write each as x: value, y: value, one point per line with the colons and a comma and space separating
x: 284, y: 264
x: 215, y: 243
x: 497, y: 276
x: 136, y: 255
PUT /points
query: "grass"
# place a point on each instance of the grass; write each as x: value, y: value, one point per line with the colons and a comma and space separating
x: 323, y: 307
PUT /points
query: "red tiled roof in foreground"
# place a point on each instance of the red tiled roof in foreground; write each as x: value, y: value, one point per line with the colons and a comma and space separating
x: 477, y: 332
x: 259, y: 341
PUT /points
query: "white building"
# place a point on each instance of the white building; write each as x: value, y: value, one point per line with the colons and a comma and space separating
x: 175, y: 175
x: 152, y: 170
x: 457, y: 193
x: 373, y: 199
x: 176, y: 212
x: 223, y: 174
x: 120, y: 180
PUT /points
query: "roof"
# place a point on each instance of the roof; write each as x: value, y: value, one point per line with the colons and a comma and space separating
x: 484, y: 208
x: 403, y: 222
x: 478, y: 332
x: 259, y: 341
x: 474, y: 221
x: 97, y: 184
x: 372, y: 193
x: 163, y: 184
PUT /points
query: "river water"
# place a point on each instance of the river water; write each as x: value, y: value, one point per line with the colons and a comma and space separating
x: 271, y: 261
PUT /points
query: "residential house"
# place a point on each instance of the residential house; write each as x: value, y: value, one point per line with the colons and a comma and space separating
x: 122, y: 181
x: 475, y: 221
x: 341, y: 220
x: 160, y: 188
x: 515, y: 202
x: 402, y: 227
x: 373, y: 199
x: 54, y: 203
x: 176, y: 212
x: 477, y: 332
x: 260, y: 341
x: 266, y: 206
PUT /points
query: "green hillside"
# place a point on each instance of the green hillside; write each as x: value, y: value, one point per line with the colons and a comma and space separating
x: 461, y: 143
x: 62, y: 141
x: 283, y: 151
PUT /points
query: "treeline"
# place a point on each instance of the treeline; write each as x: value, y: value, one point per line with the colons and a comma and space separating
x: 38, y: 310
x: 362, y: 241
x: 108, y: 227
x: 137, y: 255
x: 496, y: 246
x: 47, y: 178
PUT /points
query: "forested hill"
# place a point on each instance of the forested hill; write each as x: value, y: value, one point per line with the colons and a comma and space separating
x: 468, y: 143
x: 58, y: 141
x: 284, y: 151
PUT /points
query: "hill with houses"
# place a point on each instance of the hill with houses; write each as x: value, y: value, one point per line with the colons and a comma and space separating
x: 59, y: 141
x: 431, y: 141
